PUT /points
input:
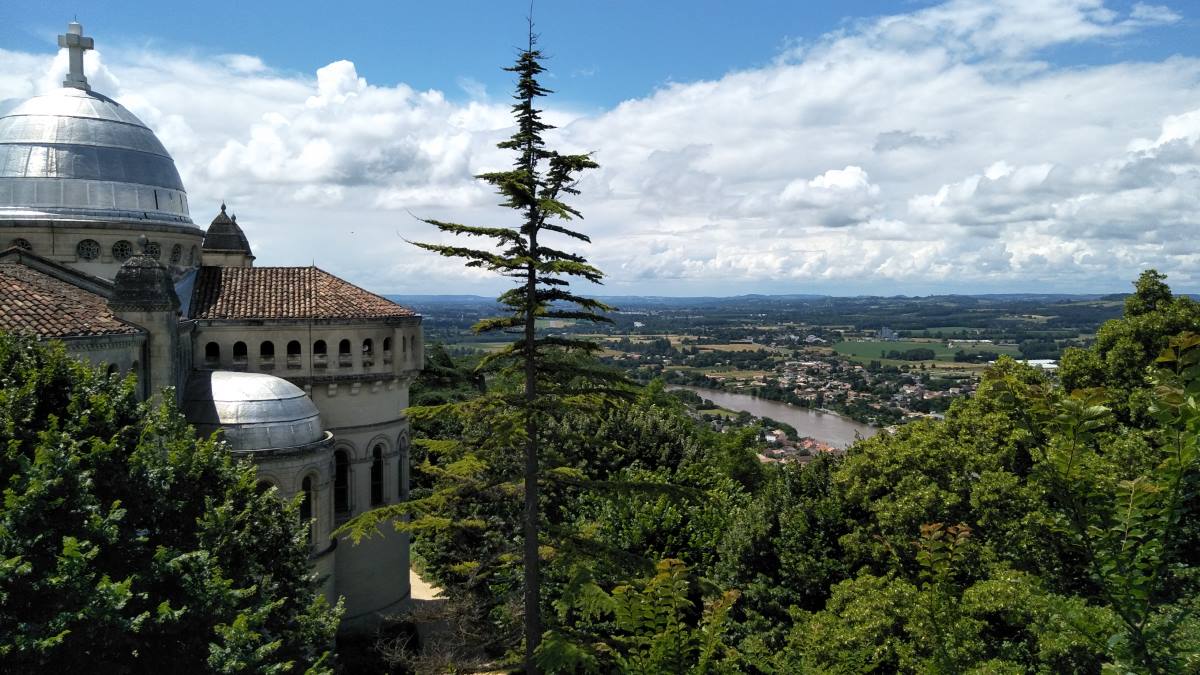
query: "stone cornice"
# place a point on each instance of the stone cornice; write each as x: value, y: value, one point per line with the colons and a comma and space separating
x: 96, y: 343
x: 308, y: 323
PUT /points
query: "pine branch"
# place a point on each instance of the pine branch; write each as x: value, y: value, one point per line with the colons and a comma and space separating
x: 477, y: 257
x: 570, y: 233
x: 502, y: 233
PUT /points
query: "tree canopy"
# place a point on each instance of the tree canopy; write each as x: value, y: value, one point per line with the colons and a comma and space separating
x: 129, y: 545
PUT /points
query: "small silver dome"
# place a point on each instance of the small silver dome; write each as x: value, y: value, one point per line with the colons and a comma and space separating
x: 256, y: 412
x: 76, y: 154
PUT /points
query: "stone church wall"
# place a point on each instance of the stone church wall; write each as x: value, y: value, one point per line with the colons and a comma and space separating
x: 120, y: 353
x: 60, y: 243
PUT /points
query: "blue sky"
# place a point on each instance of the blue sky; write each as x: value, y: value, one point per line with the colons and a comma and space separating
x: 851, y: 147
x: 621, y: 49
x: 611, y: 50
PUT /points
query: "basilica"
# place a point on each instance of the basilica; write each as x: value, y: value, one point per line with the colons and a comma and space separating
x: 302, y: 372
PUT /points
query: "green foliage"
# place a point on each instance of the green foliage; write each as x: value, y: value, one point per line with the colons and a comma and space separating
x: 969, y: 468
x: 1127, y: 529
x: 443, y: 380
x: 782, y: 550
x: 652, y: 626
x: 1127, y: 346
x: 936, y: 623
x: 127, y: 544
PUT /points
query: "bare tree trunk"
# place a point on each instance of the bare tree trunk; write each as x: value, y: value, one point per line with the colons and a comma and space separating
x: 533, y: 620
x: 533, y: 581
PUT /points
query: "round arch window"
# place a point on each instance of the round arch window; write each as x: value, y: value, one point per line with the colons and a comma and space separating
x: 22, y: 244
x: 122, y: 250
x: 192, y: 256
x: 154, y: 250
x: 88, y: 249
x: 176, y: 254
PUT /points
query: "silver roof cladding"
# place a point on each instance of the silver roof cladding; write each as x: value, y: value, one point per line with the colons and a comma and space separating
x: 74, y: 154
x: 255, y: 411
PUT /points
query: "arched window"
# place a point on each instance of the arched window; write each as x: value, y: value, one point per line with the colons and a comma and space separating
x: 22, y: 244
x: 266, y: 354
x: 240, y: 355
x: 176, y: 254
x: 192, y: 256
x: 306, y: 506
x: 293, y: 354
x: 319, y: 347
x: 403, y: 345
x: 377, y: 475
x: 341, y: 483
x: 111, y: 370
x: 401, y: 467
x: 154, y: 249
x: 263, y: 486
x: 212, y: 355
x: 344, y: 358
x: 368, y: 353
x: 387, y: 350
x: 320, y: 354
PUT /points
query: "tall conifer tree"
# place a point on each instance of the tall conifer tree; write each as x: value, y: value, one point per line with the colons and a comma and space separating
x: 552, y: 376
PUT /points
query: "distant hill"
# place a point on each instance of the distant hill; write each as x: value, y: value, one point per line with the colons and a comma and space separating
x: 781, y: 296
x: 439, y: 299
x: 753, y: 299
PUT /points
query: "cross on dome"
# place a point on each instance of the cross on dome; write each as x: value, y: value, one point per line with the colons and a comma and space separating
x: 76, y: 44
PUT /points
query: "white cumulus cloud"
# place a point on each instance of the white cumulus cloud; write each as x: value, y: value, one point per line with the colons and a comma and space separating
x: 934, y: 149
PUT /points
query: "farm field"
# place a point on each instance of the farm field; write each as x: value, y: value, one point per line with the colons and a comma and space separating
x: 740, y: 347
x: 479, y: 346
x: 869, y: 350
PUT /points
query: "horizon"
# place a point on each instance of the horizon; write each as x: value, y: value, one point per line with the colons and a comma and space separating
x: 872, y: 149
x: 812, y: 296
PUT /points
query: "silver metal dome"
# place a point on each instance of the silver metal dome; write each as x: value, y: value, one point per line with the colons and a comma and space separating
x: 76, y: 154
x: 257, y: 412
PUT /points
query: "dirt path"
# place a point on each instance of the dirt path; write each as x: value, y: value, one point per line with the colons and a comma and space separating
x: 421, y: 589
x: 436, y: 633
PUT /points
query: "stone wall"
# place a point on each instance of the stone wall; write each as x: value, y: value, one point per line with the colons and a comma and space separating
x: 59, y: 242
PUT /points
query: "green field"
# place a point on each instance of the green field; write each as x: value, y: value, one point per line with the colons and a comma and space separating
x: 944, y: 330
x: 869, y: 350
x: 480, y: 346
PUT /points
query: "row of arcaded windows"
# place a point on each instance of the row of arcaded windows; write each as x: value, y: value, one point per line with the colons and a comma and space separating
x: 341, y: 487
x: 320, y: 352
x: 341, y: 480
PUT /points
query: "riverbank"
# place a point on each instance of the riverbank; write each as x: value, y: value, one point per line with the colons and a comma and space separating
x: 824, y: 426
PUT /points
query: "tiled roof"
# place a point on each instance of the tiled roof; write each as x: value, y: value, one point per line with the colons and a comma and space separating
x: 284, y: 293
x: 35, y: 303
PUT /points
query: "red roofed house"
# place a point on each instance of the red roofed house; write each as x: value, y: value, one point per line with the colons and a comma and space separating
x: 303, y: 372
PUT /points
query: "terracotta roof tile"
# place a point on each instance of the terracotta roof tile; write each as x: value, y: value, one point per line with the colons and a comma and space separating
x: 35, y: 303
x: 284, y: 293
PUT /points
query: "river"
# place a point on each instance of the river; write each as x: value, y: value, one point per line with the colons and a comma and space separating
x: 828, y: 428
